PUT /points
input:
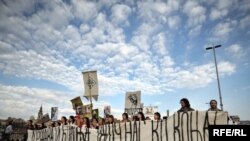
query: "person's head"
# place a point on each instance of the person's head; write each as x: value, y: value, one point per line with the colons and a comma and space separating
x: 94, y: 120
x: 185, y: 103
x: 57, y: 123
x: 86, y: 122
x: 10, y: 122
x: 213, y: 104
x: 111, y: 119
x: 141, y: 116
x: 124, y: 116
x: 157, y: 116
x: 101, y: 121
x: 148, y: 118
x: 30, y: 122
x: 64, y: 120
x: 135, y: 118
x: 71, y: 119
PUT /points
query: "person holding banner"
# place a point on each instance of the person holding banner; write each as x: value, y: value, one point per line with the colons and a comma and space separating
x: 71, y: 120
x: 101, y: 122
x: 213, y: 106
x: 63, y: 120
x: 125, y: 117
x: 185, y: 106
x: 141, y: 116
x: 86, y: 122
x: 157, y: 116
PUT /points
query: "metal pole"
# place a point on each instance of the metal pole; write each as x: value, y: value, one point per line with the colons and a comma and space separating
x: 218, y: 80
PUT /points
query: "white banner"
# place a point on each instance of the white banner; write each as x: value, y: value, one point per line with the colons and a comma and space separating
x: 191, y: 126
x: 90, y: 84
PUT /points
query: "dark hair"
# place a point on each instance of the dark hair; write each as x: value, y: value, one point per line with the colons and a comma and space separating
x: 102, y: 119
x: 112, y: 117
x: 142, y: 115
x: 158, y: 114
x: 87, y: 122
x: 135, y: 118
x: 185, y: 100
x: 72, y: 118
x: 65, y: 120
x: 213, y: 100
x: 126, y: 115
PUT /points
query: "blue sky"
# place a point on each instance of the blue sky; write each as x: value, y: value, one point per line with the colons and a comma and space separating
x: 157, y: 47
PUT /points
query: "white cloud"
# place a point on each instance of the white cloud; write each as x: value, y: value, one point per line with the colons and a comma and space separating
x: 155, y: 11
x: 120, y: 14
x: 30, y: 100
x: 17, y: 7
x: 71, y: 33
x: 222, y: 30
x: 5, y: 48
x: 173, y: 22
x: 216, y: 14
x: 84, y: 10
x: 244, y: 22
x: 195, y: 31
x: 226, y: 68
x: 142, y: 36
x: 200, y: 76
x: 235, y: 50
x: 41, y: 67
x: 225, y: 4
x: 244, y: 5
x: 159, y: 44
x: 195, y: 12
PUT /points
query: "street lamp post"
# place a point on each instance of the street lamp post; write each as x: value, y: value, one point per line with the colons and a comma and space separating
x: 218, y: 80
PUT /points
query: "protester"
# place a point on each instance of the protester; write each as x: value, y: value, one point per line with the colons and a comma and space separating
x: 213, y: 106
x: 141, y: 116
x: 157, y: 116
x: 94, y: 123
x: 86, y: 122
x: 71, y: 120
x: 185, y: 105
x: 111, y: 119
x: 125, y: 117
x: 63, y: 120
x: 101, y: 122
x: 8, y: 130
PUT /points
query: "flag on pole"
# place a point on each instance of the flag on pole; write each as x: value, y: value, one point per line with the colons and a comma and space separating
x: 90, y: 84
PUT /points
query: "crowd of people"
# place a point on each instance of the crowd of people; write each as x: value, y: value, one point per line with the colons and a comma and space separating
x: 85, y: 122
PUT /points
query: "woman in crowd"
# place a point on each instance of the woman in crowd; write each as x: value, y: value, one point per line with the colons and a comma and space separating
x: 101, y: 122
x: 125, y: 117
x: 63, y: 120
x: 157, y: 116
x: 86, y: 122
x: 94, y: 123
x: 71, y: 120
x: 141, y: 116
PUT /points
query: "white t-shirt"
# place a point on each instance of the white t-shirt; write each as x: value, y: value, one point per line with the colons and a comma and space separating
x: 9, y: 129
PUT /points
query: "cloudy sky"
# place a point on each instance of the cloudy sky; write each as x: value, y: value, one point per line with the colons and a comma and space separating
x: 157, y: 47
